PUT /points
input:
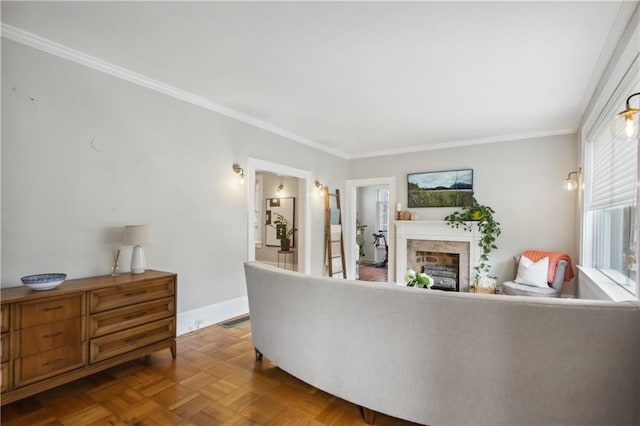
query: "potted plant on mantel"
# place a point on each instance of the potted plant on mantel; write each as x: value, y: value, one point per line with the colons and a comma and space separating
x: 481, y: 216
x: 284, y: 232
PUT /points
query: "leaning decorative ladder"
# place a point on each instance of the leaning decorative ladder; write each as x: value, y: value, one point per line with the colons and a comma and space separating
x: 333, y: 235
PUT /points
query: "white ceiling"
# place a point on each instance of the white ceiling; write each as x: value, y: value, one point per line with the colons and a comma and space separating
x: 356, y: 79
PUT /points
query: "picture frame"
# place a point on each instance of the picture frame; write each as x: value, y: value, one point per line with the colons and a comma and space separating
x: 450, y: 188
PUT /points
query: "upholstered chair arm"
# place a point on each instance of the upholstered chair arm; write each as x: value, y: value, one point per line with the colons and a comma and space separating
x: 558, y: 278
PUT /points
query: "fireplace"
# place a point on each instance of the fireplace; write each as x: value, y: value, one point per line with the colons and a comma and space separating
x: 425, y: 244
x: 441, y: 259
x: 444, y: 268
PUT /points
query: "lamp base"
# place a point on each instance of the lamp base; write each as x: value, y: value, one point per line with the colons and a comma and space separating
x: 138, y: 264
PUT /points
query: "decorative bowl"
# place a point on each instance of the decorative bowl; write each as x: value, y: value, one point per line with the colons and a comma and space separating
x: 43, y: 281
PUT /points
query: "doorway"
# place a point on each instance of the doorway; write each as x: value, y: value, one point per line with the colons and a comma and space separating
x: 369, y: 202
x: 276, y: 213
x: 372, y: 232
x: 256, y: 197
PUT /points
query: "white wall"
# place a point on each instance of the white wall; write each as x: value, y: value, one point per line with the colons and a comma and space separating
x: 167, y: 163
x: 520, y: 180
x: 160, y: 161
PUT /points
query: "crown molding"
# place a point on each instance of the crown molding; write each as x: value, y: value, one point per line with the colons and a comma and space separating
x: 620, y: 26
x: 37, y: 42
x: 467, y: 142
x: 56, y: 49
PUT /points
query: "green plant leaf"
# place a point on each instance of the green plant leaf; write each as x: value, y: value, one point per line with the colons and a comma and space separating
x: 488, y: 227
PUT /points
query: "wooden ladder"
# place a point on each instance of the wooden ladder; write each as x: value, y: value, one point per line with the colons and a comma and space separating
x: 333, y: 233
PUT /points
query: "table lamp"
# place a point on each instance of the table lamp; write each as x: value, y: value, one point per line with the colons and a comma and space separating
x: 136, y: 235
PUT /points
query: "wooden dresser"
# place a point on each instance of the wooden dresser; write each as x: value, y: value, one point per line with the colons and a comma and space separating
x: 85, y: 325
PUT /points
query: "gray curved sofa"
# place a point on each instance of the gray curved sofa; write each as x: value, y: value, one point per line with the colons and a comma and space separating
x: 443, y: 358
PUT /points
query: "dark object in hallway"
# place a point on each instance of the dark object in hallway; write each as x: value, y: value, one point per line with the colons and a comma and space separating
x: 379, y: 240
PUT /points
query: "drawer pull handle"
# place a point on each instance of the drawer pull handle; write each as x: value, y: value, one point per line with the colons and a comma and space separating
x: 135, y: 338
x: 54, y: 334
x: 134, y: 316
x: 55, y: 308
x: 55, y: 361
x: 135, y: 293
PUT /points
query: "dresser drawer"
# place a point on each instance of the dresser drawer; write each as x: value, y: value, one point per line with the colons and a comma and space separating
x: 48, y: 337
x: 45, y: 337
x: 4, y: 319
x: 4, y: 347
x: 130, y: 316
x: 120, y: 296
x: 4, y: 377
x: 105, y: 347
x: 49, y: 310
x: 42, y: 365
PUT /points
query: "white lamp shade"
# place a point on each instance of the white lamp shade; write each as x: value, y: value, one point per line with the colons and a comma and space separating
x: 136, y: 235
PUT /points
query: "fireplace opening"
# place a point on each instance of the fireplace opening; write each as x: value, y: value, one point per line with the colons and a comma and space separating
x: 444, y: 268
x: 435, y: 242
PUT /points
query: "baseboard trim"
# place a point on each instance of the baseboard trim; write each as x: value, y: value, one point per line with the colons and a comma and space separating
x: 212, y: 314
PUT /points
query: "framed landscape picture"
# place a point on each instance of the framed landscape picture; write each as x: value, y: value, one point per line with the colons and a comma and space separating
x: 453, y: 188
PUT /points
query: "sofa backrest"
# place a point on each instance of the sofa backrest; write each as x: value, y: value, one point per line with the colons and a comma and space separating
x: 438, y: 357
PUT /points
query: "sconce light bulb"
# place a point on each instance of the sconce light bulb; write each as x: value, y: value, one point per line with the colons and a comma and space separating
x: 629, y: 126
x: 570, y: 184
x: 625, y: 123
x: 242, y: 179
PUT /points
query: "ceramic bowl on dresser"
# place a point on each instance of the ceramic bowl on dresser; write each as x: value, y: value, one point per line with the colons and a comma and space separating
x: 44, y: 281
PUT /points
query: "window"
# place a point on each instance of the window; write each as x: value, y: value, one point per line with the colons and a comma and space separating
x: 613, y: 251
x: 610, y: 199
x: 382, y: 210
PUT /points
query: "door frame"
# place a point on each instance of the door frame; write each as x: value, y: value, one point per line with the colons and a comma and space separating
x: 304, y: 238
x: 350, y: 225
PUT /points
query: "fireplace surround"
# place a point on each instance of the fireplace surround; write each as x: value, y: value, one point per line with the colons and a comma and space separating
x: 438, y: 237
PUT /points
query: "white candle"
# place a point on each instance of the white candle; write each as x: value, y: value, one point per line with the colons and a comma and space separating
x: 399, y: 207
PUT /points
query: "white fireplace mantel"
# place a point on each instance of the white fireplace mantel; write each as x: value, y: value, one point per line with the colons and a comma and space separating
x: 433, y: 230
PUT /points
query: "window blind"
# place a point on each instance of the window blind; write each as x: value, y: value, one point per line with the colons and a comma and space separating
x: 614, y: 168
x: 613, y: 162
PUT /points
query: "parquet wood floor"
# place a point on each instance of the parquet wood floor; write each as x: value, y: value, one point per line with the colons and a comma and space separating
x: 214, y: 381
x: 370, y: 272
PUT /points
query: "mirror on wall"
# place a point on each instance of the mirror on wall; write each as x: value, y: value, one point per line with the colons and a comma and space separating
x: 274, y: 207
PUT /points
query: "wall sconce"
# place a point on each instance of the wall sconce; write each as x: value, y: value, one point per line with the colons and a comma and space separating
x: 239, y: 171
x: 625, y: 123
x: 280, y: 189
x: 319, y: 188
x: 570, y: 184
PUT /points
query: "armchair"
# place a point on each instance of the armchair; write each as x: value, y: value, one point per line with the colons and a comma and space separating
x: 554, y: 289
